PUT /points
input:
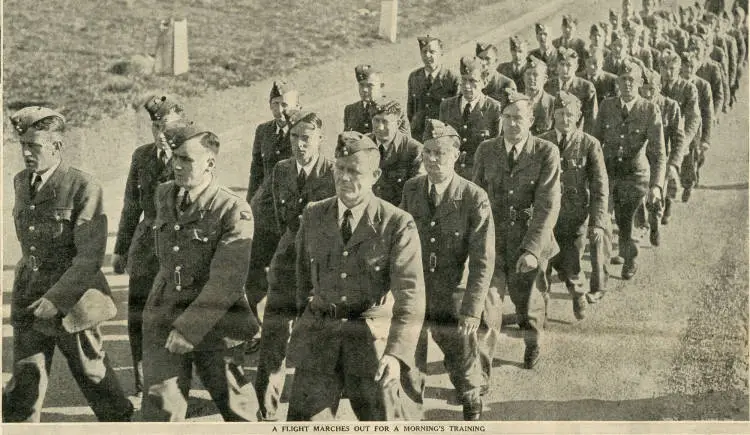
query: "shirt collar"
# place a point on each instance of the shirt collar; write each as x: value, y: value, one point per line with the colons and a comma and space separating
x: 472, y: 104
x: 308, y: 167
x: 630, y: 104
x: 281, y: 127
x: 517, y: 145
x: 195, y: 192
x: 441, y: 187
x: 167, y: 150
x: 357, y: 212
x: 47, y: 174
x: 435, y: 73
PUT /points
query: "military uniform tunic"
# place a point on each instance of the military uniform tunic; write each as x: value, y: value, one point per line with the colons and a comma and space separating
x: 358, y: 118
x: 401, y: 161
x: 426, y: 95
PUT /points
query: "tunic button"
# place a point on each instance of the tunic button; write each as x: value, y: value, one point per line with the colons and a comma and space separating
x: 343, y: 275
x: 377, y: 268
x: 178, y: 268
x: 622, y: 136
x: 456, y: 234
x: 512, y: 223
x: 283, y: 202
x: 367, y: 125
x: 343, y: 299
x: 432, y: 240
x: 178, y: 287
x: 175, y: 248
x: 32, y: 228
x: 398, y: 181
x: 300, y: 217
x: 345, y: 253
x: 177, y: 227
x: 299, y: 200
x: 463, y: 165
x: 278, y: 152
x: 32, y: 249
x: 463, y: 140
x: 511, y: 192
x: 32, y: 206
x: 432, y: 269
x: 205, y: 239
x: 432, y: 224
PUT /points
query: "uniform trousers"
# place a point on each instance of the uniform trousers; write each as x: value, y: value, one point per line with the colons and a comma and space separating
x: 271, y: 375
x: 627, y: 197
x: 138, y: 289
x: 264, y: 246
x: 167, y: 377
x: 567, y: 262
x: 461, y: 357
x: 691, y: 167
x: 32, y: 360
x: 527, y: 292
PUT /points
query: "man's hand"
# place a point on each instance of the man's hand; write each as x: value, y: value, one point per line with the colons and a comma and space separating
x: 654, y: 196
x: 596, y: 234
x: 467, y: 325
x: 704, y: 146
x: 176, y: 343
x: 389, y: 370
x: 119, y: 263
x: 673, y: 173
x: 526, y: 263
x: 43, y: 308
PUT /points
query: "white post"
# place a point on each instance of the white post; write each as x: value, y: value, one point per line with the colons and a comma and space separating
x: 180, y: 54
x: 388, y: 20
x: 172, y: 47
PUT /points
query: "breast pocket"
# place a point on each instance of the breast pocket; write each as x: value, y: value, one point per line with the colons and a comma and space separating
x: 59, y: 223
x: 452, y: 231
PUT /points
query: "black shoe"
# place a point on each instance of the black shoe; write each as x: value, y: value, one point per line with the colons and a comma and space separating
x: 686, y: 194
x: 654, y: 236
x: 665, y: 220
x: 473, y: 411
x: 617, y: 260
x: 484, y: 389
x: 579, y: 306
x: 594, y: 297
x: 629, y: 270
x: 530, y: 356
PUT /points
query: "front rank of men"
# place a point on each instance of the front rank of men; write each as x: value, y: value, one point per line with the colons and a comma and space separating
x: 365, y: 257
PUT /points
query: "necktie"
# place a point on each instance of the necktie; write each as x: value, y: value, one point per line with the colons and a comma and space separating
x: 36, y: 180
x: 301, y: 179
x: 346, y: 226
x: 625, y: 111
x: 467, y: 112
x: 381, y: 148
x: 512, y: 158
x: 429, y: 81
x: 433, y: 198
x: 185, y: 203
x: 563, y: 141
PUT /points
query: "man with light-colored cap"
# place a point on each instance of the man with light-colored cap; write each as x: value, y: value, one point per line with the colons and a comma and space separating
x: 304, y: 178
x: 358, y: 116
x: 60, y: 295
x: 197, y: 313
x: 150, y: 166
x: 514, y: 68
x: 475, y: 116
x: 583, y: 210
x: 566, y: 80
x: 535, y: 77
x: 521, y: 175
x: 630, y: 131
x: 271, y: 145
x: 455, y: 224
x: 429, y: 85
x: 686, y: 95
x: 360, y: 289
x: 400, y: 155
x: 545, y: 52
x: 497, y: 82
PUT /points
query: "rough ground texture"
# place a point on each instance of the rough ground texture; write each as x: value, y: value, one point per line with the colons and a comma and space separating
x: 671, y: 344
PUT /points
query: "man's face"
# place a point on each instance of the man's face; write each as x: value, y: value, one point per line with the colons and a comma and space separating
x: 688, y: 69
x: 629, y: 85
x: 596, y: 39
x: 517, y: 120
x: 594, y: 65
x: 627, y: 7
x: 385, y: 126
x: 439, y: 158
x: 283, y: 103
x: 193, y: 163
x: 670, y: 72
x: 620, y: 47
x: 647, y: 5
x: 432, y: 55
x: 567, y: 68
x: 518, y: 53
x: 534, y: 79
x: 541, y: 37
x: 566, y: 118
x: 649, y: 91
x: 371, y: 88
x: 489, y: 60
x: 40, y: 149
x: 160, y: 125
x: 568, y: 29
x: 305, y: 139
x: 472, y: 85
x: 354, y: 175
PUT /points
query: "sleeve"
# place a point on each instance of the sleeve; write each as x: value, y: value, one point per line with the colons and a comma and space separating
x: 256, y: 167
x: 443, y: 111
x: 546, y: 204
x: 408, y: 289
x: 655, y: 148
x: 90, y: 239
x: 227, y: 274
x: 275, y: 184
x: 347, y: 117
x: 675, y: 133
x: 481, y: 257
x: 303, y: 268
x: 692, y: 113
x: 707, y: 115
x: 717, y: 87
x: 131, y: 210
x: 410, y: 98
x: 478, y: 177
x: 590, y: 108
x: 404, y: 126
x: 495, y: 122
x: 598, y: 186
x: 416, y: 167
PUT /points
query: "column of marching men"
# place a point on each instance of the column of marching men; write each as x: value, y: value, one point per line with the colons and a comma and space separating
x: 487, y: 182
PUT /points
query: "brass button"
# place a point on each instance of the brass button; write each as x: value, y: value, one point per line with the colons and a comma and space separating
x: 176, y: 248
x: 178, y: 268
x: 343, y: 275
x: 345, y: 253
x: 177, y: 227
x: 299, y: 200
x: 432, y: 224
x: 510, y: 191
x: 178, y: 287
x: 32, y: 249
x: 205, y: 239
x: 283, y: 201
x: 432, y: 240
x: 32, y: 206
x: 377, y: 268
x: 278, y: 152
x: 32, y: 228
